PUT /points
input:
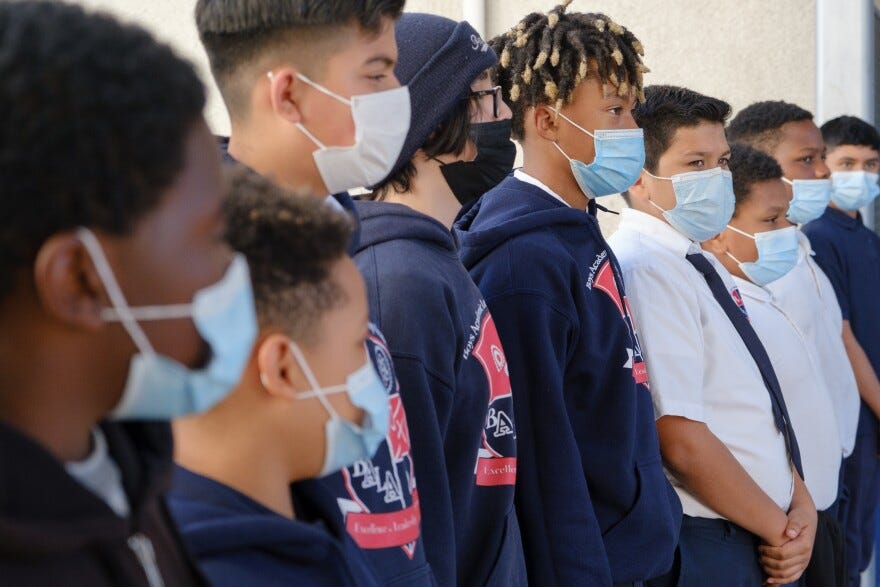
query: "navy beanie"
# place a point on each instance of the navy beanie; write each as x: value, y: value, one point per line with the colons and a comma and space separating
x: 438, y: 59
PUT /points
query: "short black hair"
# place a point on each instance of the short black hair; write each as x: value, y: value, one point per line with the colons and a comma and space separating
x: 849, y: 130
x: 668, y: 108
x: 237, y: 33
x: 450, y: 136
x: 749, y: 166
x: 94, y: 117
x: 291, y: 243
x: 760, y: 124
x: 544, y: 57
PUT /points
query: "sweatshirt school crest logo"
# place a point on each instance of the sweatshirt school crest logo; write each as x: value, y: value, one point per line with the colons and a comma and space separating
x: 604, y: 280
x: 381, y: 508
x: 495, y: 465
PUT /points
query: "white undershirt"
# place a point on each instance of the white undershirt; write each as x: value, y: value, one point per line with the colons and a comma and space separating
x: 100, y: 475
x: 526, y: 178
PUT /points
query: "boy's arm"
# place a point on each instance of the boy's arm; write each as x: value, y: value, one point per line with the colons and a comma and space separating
x: 708, y: 470
x: 866, y: 377
x: 785, y: 564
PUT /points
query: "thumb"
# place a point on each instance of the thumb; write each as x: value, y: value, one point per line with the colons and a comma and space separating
x: 793, y: 529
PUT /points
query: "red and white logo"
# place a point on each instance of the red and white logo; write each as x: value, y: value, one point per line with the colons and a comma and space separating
x: 499, y: 434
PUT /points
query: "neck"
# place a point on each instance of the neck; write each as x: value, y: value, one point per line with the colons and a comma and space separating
x: 553, y: 170
x: 850, y: 213
x: 49, y: 385
x: 236, y: 452
x: 271, y: 158
x: 429, y: 194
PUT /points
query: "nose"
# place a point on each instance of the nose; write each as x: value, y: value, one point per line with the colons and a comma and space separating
x: 822, y: 171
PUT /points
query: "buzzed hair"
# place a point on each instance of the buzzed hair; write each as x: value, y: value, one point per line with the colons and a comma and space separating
x: 237, y: 34
x: 291, y: 243
x: 760, y: 124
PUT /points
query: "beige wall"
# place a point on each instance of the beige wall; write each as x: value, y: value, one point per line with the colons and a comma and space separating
x: 738, y: 50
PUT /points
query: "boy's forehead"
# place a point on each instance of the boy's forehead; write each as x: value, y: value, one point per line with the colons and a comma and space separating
x: 855, y: 152
x: 771, y: 194
x: 706, y: 137
x: 801, y: 134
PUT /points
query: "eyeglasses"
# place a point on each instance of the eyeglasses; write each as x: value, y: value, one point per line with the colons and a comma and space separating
x: 494, y: 92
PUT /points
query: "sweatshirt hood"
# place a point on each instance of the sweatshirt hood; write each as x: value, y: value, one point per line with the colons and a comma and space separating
x: 382, y: 222
x: 511, y: 209
x: 34, y: 521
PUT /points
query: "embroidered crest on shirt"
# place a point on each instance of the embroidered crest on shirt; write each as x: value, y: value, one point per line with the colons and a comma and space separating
x: 737, y: 297
x: 389, y: 475
x: 604, y: 281
x: 495, y: 466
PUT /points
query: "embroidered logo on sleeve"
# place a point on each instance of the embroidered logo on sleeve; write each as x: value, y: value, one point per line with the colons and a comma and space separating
x: 381, y: 503
x: 496, y: 460
x: 604, y: 281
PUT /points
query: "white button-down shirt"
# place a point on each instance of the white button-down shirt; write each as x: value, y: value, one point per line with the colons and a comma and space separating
x: 809, y: 404
x: 808, y: 298
x: 700, y: 368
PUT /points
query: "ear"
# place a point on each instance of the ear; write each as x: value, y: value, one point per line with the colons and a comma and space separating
x: 284, y: 89
x: 67, y: 283
x: 280, y: 373
x: 640, y: 190
x: 546, y: 122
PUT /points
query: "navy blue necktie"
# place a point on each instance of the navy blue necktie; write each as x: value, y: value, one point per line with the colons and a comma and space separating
x: 756, y: 349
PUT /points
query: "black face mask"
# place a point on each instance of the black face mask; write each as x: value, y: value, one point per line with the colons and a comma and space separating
x: 469, y: 180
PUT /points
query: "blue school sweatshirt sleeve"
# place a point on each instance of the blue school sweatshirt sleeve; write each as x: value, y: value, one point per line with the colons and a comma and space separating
x: 831, y: 260
x: 537, y: 338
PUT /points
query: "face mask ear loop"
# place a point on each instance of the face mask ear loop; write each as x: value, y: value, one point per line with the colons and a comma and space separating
x: 738, y: 262
x: 788, y: 181
x: 734, y: 229
x: 323, y: 90
x: 310, y: 377
x: 120, y: 306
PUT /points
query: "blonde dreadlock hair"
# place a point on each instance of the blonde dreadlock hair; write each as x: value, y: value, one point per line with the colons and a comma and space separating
x: 545, y: 56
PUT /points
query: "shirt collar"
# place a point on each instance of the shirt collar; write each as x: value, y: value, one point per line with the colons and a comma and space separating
x: 752, y: 290
x: 843, y: 219
x: 659, y: 231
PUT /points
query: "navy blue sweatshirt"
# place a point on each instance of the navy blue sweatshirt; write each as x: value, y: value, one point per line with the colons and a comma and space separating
x: 376, y: 501
x: 593, y: 502
x: 455, y: 386
x: 238, y: 541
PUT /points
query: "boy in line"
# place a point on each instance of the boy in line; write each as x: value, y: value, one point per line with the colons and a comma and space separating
x: 723, y: 427
x: 451, y: 365
x: 759, y: 247
x: 593, y: 504
x: 787, y: 133
x: 121, y: 306
x: 849, y: 253
x: 315, y: 107
x: 309, y: 401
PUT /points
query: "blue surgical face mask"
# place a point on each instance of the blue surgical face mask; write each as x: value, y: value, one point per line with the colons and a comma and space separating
x: 620, y: 156
x: 852, y: 190
x: 704, y: 202
x: 809, y: 199
x: 777, y: 254
x: 347, y: 443
x: 160, y: 388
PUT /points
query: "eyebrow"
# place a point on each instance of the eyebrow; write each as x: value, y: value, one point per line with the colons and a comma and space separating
x: 381, y: 59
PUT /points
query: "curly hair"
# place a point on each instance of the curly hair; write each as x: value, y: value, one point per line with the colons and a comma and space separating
x: 291, y: 243
x: 760, y: 124
x: 849, y: 130
x: 237, y: 33
x: 94, y: 117
x: 668, y: 108
x: 545, y: 56
x: 749, y: 166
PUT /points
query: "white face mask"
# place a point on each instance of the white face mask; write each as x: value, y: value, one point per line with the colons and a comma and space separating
x: 381, y: 124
